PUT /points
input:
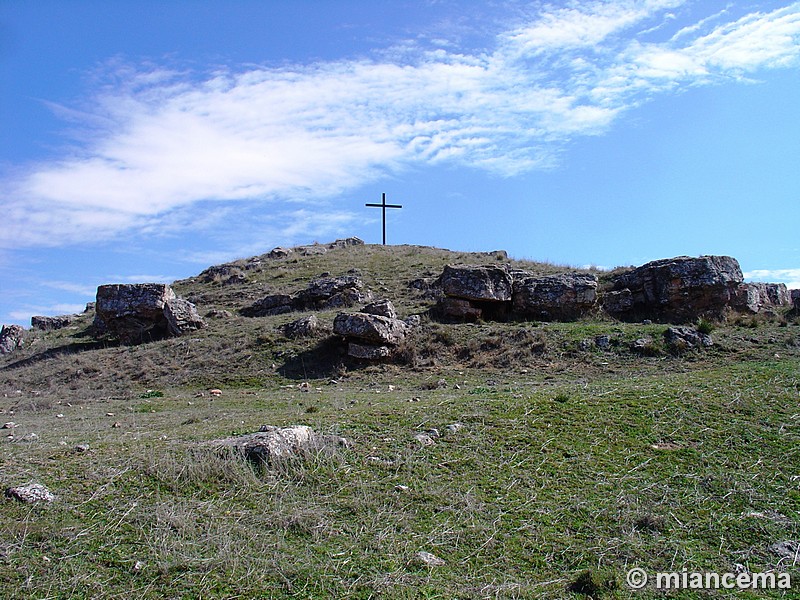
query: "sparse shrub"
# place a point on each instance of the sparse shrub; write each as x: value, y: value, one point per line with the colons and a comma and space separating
x: 152, y: 394
x: 561, y: 397
x: 705, y: 326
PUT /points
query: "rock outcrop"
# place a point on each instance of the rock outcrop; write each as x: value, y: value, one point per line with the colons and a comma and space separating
x: 562, y: 297
x: 138, y: 312
x: 473, y: 292
x: 675, y: 289
x: 759, y: 297
x: 321, y: 294
x: 11, y: 338
x: 272, y: 444
x: 182, y: 316
x: 368, y: 335
x: 40, y: 323
x: 305, y: 327
x: 679, y: 339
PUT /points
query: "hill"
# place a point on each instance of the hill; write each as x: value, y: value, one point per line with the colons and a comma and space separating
x: 535, y: 459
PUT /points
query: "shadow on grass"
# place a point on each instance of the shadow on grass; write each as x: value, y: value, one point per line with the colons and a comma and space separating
x: 73, y: 348
x: 327, y: 360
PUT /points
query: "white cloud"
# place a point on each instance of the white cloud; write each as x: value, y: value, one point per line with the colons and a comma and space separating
x: 791, y: 277
x: 157, y: 142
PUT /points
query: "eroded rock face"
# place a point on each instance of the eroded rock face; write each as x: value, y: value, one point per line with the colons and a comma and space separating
x: 480, y: 283
x: 372, y: 329
x: 11, y: 338
x: 566, y: 296
x: 182, y: 316
x: 52, y: 323
x: 305, y: 327
x: 757, y: 297
x: 685, y: 338
x: 384, y: 308
x: 321, y: 294
x: 678, y: 289
x: 271, y: 444
x: 140, y: 312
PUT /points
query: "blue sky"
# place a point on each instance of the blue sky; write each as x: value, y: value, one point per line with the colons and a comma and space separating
x: 144, y: 140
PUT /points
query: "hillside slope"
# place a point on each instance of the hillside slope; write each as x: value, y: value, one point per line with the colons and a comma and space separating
x: 536, y: 460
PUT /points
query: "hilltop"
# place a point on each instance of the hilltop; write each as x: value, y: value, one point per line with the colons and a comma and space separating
x: 535, y: 457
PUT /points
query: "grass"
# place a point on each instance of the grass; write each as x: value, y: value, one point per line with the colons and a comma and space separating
x: 574, y: 462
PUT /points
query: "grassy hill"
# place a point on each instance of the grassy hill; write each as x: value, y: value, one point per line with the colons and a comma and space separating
x: 573, y: 463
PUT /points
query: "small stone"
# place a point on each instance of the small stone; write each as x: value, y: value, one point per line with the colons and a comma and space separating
x: 138, y: 566
x: 117, y: 425
x: 401, y: 488
x: 424, y: 439
x: 427, y: 559
x: 454, y: 427
x: 59, y: 416
x: 215, y: 392
x: 9, y: 425
x: 80, y: 448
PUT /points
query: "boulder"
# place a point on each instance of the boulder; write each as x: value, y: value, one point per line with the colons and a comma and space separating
x: 30, y: 493
x: 279, y: 252
x: 372, y: 329
x: 684, y: 338
x: 384, y: 308
x: 795, y: 296
x: 566, y: 296
x: 482, y: 283
x: 138, y: 312
x: 11, y: 338
x: 52, y: 323
x: 271, y: 444
x: 460, y: 309
x: 334, y: 292
x: 225, y: 274
x: 677, y: 289
x: 274, y: 304
x: 182, y: 316
x: 368, y: 351
x: 756, y: 297
x: 305, y: 327
x: 344, y: 243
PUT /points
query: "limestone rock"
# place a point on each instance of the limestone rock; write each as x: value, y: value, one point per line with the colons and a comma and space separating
x: 678, y: 289
x: 427, y: 559
x: 383, y: 308
x: 459, y: 308
x: 11, y: 338
x: 52, y: 323
x: 305, y: 327
x: 756, y: 297
x: 334, y: 292
x: 274, y: 304
x: 182, y: 316
x: 344, y: 243
x: 279, y: 252
x: 139, y: 312
x: 484, y: 283
x: 368, y: 351
x: 684, y: 338
x: 566, y: 296
x: 272, y: 443
x: 372, y: 329
x: 30, y: 493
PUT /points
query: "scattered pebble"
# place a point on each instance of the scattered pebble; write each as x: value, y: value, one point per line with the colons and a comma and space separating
x: 427, y: 559
x: 9, y: 425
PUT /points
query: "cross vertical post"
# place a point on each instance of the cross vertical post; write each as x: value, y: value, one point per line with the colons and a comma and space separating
x: 383, y: 206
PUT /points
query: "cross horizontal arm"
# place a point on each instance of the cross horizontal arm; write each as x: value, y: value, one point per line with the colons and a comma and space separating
x: 386, y: 205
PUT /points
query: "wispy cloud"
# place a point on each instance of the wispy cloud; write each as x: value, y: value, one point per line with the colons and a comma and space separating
x: 157, y: 141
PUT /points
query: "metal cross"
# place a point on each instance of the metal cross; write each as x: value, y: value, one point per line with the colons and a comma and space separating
x: 384, y: 206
